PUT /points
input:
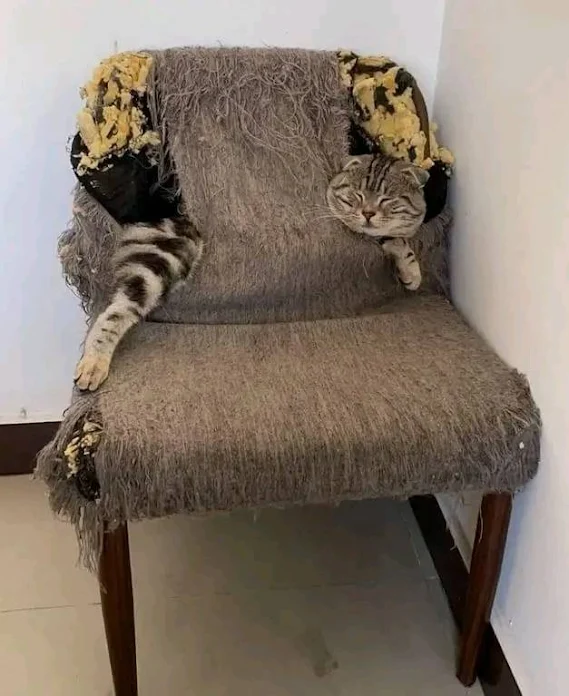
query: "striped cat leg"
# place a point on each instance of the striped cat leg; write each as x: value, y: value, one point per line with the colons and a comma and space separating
x: 150, y: 260
x: 406, y: 263
x: 135, y: 297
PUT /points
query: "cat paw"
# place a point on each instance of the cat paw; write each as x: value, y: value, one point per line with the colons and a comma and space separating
x: 412, y: 284
x: 410, y: 275
x: 91, y: 371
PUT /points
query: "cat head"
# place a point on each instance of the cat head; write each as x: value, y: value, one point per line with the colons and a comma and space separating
x: 379, y: 196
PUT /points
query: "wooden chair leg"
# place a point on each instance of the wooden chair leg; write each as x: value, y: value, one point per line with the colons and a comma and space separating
x: 118, y: 610
x: 485, y: 567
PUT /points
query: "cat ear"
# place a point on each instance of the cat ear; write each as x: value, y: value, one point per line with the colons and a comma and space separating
x: 351, y: 162
x: 417, y: 175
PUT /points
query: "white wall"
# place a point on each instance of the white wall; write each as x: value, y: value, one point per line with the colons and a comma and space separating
x: 502, y: 95
x: 47, y: 50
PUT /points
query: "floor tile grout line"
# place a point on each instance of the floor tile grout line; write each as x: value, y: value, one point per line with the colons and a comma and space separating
x: 140, y: 595
x: 50, y: 607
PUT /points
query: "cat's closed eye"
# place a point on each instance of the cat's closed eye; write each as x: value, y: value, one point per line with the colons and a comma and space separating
x: 351, y: 198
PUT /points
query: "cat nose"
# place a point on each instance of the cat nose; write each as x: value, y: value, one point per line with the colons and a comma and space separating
x: 368, y: 214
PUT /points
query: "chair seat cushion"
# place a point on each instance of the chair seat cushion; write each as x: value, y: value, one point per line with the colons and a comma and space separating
x: 406, y: 401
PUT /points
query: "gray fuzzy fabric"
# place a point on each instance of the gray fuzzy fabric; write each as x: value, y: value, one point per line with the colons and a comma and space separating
x: 85, y: 250
x: 293, y: 370
x: 254, y: 157
x: 404, y: 401
x: 86, y: 247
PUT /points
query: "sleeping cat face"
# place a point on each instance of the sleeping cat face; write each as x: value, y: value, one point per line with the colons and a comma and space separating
x: 379, y: 196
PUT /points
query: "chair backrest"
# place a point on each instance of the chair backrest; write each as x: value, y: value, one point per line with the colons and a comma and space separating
x: 254, y: 136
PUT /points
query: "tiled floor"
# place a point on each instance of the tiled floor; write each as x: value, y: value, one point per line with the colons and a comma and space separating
x: 231, y: 605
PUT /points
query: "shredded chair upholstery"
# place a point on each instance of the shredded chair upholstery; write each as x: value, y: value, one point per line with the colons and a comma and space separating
x: 293, y: 368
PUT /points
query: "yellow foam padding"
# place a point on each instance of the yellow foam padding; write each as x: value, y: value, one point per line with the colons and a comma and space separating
x: 395, y: 128
x: 110, y: 122
x: 84, y: 441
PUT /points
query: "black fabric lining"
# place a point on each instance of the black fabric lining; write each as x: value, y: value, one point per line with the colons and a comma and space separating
x: 129, y: 188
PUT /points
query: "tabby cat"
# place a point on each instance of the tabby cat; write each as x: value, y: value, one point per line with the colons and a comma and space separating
x: 372, y: 195
x: 382, y: 197
x: 150, y: 259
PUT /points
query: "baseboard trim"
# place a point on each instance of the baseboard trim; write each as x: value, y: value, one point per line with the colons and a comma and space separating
x: 20, y: 443
x: 494, y: 672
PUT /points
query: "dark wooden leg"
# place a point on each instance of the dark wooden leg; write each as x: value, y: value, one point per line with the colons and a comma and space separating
x: 485, y: 567
x: 118, y: 610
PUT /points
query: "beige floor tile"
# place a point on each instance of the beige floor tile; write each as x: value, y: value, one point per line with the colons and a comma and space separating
x: 301, y: 547
x: 231, y: 606
x: 284, y: 642
x: 53, y: 652
x: 385, y: 640
x: 38, y: 553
